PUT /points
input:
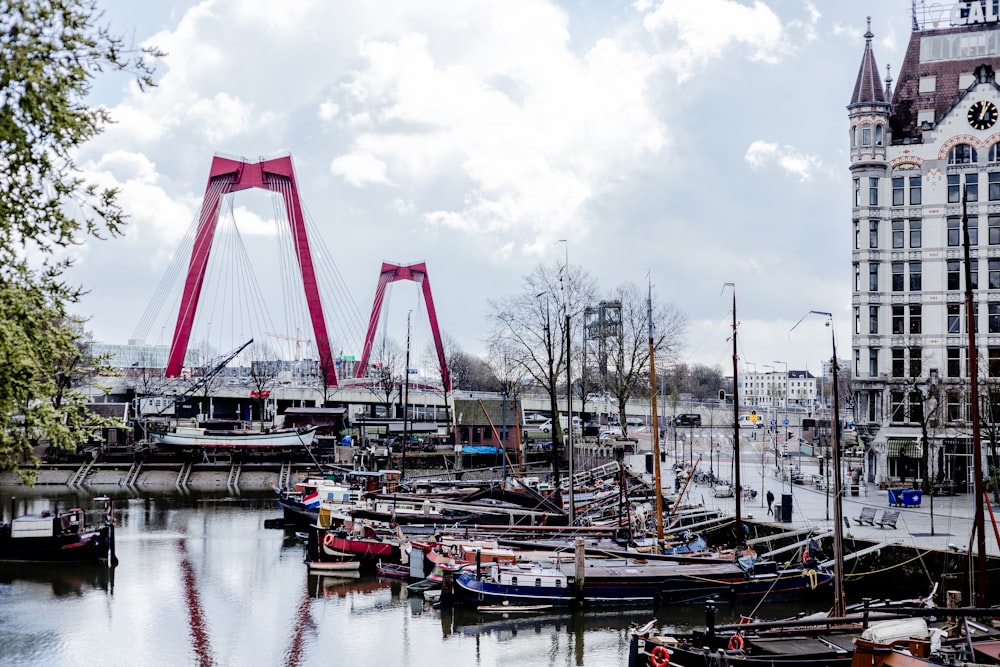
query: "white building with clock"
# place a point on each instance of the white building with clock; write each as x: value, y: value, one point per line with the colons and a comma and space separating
x: 925, y: 155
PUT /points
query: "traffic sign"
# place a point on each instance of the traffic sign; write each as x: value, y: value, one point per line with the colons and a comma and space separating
x: 773, y: 422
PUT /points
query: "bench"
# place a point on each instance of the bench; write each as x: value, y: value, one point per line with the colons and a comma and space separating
x: 867, y: 516
x: 889, y: 518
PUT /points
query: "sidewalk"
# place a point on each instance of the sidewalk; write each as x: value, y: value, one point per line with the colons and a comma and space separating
x: 948, y: 526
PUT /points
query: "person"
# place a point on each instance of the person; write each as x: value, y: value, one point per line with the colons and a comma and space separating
x: 770, y: 502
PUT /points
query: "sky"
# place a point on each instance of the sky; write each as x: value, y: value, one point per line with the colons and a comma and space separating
x: 683, y: 144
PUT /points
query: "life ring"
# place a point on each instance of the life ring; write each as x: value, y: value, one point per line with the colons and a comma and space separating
x: 328, y: 539
x: 659, y: 656
x: 736, y: 643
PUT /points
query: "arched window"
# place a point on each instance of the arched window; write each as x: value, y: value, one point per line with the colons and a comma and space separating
x: 962, y: 154
x: 866, y: 135
x: 878, y: 135
x: 994, y: 155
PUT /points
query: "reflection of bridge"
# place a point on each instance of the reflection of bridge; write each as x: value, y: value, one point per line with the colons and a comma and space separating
x: 228, y: 175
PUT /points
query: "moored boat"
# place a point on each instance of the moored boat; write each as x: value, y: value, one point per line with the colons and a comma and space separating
x: 242, y: 439
x: 56, y: 536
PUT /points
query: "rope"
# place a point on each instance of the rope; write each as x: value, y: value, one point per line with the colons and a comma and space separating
x: 886, y: 569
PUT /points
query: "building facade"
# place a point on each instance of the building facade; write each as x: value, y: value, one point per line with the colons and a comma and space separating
x: 925, y: 158
x: 776, y: 390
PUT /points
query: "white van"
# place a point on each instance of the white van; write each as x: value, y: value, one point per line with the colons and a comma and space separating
x: 751, y: 421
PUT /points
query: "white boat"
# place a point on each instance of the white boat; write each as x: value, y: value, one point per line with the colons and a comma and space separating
x: 201, y: 438
x: 335, y: 565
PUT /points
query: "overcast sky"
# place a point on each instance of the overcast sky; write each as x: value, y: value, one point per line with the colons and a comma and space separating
x: 688, y: 143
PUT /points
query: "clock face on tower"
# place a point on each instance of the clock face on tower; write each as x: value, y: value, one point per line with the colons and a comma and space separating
x: 982, y: 114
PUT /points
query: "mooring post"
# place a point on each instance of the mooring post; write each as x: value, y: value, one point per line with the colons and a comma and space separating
x: 580, y: 568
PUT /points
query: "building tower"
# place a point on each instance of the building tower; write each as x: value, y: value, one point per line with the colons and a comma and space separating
x: 911, y: 161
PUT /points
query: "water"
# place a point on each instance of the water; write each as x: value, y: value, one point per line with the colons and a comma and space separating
x: 202, y: 582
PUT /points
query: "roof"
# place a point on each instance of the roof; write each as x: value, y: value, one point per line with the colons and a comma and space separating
x: 469, y: 412
x: 868, y: 88
x: 907, y: 99
x: 109, y: 410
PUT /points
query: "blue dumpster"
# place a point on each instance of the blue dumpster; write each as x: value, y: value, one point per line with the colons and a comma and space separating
x: 912, y: 497
x: 895, y: 497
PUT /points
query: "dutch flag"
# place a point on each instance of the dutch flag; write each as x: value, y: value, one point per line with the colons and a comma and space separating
x: 311, y: 500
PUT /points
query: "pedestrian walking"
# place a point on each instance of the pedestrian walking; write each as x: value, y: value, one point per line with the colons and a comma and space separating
x: 770, y: 502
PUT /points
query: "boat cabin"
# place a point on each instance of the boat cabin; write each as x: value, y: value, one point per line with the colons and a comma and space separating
x: 47, y: 524
x: 532, y: 574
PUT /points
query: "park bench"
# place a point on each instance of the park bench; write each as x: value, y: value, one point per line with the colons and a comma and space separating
x: 889, y: 518
x: 867, y: 516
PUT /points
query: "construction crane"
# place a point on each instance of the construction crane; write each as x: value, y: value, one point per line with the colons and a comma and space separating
x: 296, y: 338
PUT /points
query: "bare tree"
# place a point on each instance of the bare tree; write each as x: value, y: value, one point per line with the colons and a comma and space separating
x: 531, y: 327
x: 264, y: 369
x: 387, y: 372
x: 628, y: 355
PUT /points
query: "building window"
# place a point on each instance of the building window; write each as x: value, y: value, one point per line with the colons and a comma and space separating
x: 954, y: 274
x: 915, y: 277
x: 954, y: 402
x: 857, y: 192
x: 954, y: 189
x: 873, y: 233
x: 972, y: 186
x: 994, y: 184
x: 916, y: 319
x: 962, y: 154
x: 857, y: 320
x: 857, y: 235
x: 898, y: 326
x: 916, y: 362
x: 973, y: 231
x: 873, y: 319
x: 873, y: 192
x: 857, y: 277
x: 993, y: 227
x: 954, y: 362
x: 866, y: 135
x: 857, y: 363
x: 897, y: 233
x: 896, y: 411
x: 916, y: 227
x: 898, y: 361
x: 897, y: 277
x: 916, y: 197
x: 994, y: 273
x: 954, y: 231
x: 974, y: 273
x: 993, y: 320
x: 994, y: 362
x: 873, y: 276
x: 916, y: 407
x: 873, y: 363
x: 878, y: 135
x: 954, y: 318
x: 898, y: 190
x: 994, y: 154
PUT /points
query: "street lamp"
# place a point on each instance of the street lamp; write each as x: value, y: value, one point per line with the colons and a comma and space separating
x: 784, y: 420
x: 553, y: 406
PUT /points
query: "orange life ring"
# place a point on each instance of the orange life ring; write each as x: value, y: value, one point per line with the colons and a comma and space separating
x: 736, y: 643
x: 660, y: 656
x: 328, y: 539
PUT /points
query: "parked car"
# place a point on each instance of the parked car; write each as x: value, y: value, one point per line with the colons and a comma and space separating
x: 751, y: 421
x: 541, y: 446
x: 687, y: 419
x: 634, y: 421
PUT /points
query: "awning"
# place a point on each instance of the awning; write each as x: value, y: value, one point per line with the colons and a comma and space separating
x: 908, y: 447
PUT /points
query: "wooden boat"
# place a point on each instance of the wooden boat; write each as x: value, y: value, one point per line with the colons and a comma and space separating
x: 56, y: 536
x: 204, y: 438
x: 333, y: 560
x: 393, y: 570
x: 622, y: 581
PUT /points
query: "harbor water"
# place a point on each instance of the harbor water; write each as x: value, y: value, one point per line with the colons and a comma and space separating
x: 201, y: 581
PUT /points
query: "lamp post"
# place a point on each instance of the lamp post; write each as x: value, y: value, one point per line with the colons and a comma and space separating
x: 553, y: 406
x: 784, y: 418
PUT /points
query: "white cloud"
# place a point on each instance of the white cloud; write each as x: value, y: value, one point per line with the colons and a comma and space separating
x: 708, y: 29
x: 763, y: 154
x: 359, y: 169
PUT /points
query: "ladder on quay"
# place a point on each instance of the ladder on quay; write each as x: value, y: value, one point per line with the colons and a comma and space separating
x: 133, y: 474
x: 234, y: 475
x: 593, y: 474
x: 185, y: 474
x: 284, y: 475
x: 82, y: 473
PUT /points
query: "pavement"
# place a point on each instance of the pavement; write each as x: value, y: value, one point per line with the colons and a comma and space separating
x: 939, y: 522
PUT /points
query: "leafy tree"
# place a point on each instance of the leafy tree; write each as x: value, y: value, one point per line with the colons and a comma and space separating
x: 50, y: 53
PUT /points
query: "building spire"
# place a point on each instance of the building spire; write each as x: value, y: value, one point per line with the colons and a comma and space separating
x: 888, y: 82
x: 867, y: 89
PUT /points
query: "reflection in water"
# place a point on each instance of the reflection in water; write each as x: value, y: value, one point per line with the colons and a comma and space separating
x: 201, y: 581
x: 67, y: 579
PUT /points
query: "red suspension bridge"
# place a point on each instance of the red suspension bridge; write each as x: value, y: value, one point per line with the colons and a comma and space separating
x: 311, y: 286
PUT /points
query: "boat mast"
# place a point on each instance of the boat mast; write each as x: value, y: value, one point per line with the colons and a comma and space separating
x: 736, y: 425
x: 406, y: 396
x: 977, y: 458
x: 839, y: 605
x: 656, y: 424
